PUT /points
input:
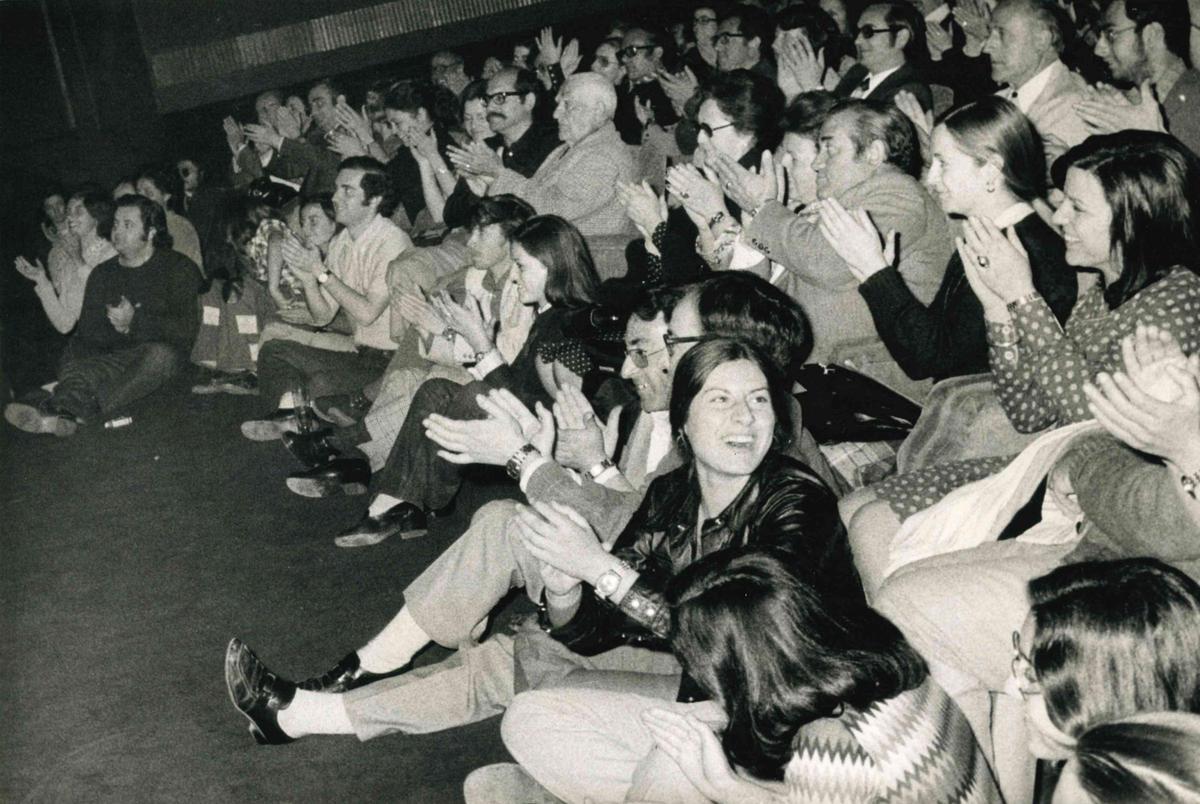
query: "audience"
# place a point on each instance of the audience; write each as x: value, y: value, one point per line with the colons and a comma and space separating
x: 413, y: 287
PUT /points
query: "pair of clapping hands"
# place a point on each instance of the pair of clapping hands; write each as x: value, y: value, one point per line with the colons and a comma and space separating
x: 439, y: 314
x: 287, y: 122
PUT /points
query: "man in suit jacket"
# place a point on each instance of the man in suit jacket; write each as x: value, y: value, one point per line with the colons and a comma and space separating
x: 866, y: 160
x: 890, y: 40
x: 1024, y: 47
x: 578, y: 180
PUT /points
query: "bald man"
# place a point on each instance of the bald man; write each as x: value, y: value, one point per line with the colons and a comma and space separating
x: 578, y: 179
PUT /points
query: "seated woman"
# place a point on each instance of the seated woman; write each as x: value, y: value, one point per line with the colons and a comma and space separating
x: 738, y: 119
x: 1152, y: 758
x: 729, y: 409
x: 556, y: 276
x: 987, y: 163
x: 1130, y: 221
x: 810, y: 699
x: 423, y: 115
x: 1103, y: 641
x: 89, y: 220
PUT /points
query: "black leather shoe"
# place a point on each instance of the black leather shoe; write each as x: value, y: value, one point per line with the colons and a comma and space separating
x: 346, y: 675
x: 335, y: 477
x: 284, y: 420
x: 312, y: 449
x: 257, y: 693
x: 342, y: 409
x: 405, y: 518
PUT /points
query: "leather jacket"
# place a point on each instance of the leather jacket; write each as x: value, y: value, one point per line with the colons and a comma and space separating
x: 785, y: 507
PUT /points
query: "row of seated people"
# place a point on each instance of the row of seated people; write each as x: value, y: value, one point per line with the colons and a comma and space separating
x: 477, y: 351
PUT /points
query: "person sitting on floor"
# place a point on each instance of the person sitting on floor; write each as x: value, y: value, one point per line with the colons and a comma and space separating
x: 729, y: 408
x: 136, y: 327
x: 162, y: 185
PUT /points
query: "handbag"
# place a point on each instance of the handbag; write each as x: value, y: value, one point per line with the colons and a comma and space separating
x: 841, y: 404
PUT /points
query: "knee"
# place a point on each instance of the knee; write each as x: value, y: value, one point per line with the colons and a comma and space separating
x: 524, y: 722
x: 849, y: 505
x: 161, y: 359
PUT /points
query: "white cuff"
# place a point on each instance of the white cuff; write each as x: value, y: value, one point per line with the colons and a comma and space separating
x: 490, y: 362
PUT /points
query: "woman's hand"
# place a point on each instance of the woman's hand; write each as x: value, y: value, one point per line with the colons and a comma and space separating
x: 698, y: 193
x: 35, y: 272
x: 304, y: 262
x: 643, y: 206
x: 420, y: 313
x: 679, y: 87
x: 800, y: 67
x: 975, y: 18
x: 358, y: 124
x: 694, y: 747
x: 287, y: 123
x: 424, y: 145
x: 233, y: 134
x: 856, y: 240
x: 1169, y: 430
x: 557, y: 535
x: 937, y: 39
x: 748, y: 189
x: 1147, y: 353
x: 468, y: 320
x: 1004, y: 267
x: 344, y: 144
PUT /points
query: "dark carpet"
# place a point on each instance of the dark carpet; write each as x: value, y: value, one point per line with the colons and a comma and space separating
x: 130, y: 557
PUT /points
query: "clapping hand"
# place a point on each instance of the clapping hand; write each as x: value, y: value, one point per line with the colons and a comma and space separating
x: 1106, y: 110
x: 1146, y: 354
x: 287, y: 123
x: 975, y: 18
x: 345, y: 145
x: 34, y: 272
x: 679, y: 87
x: 937, y: 39
x: 801, y: 67
x: 921, y: 119
x: 997, y: 260
x: 508, y: 426
x: 296, y: 104
x: 582, y: 443
x: 467, y: 319
x: 557, y: 535
x: 234, y: 136
x: 694, y: 747
x: 643, y: 206
x: 357, y: 123
x: 419, y: 312
x: 120, y: 315
x: 265, y: 136
x: 854, y: 237
x: 305, y: 262
x: 700, y: 194
x: 423, y: 145
x: 551, y: 51
x: 748, y: 189
x: 476, y: 159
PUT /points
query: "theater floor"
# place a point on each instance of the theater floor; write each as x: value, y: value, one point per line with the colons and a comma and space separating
x: 130, y: 557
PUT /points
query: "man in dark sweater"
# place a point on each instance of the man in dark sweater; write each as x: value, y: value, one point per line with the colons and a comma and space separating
x: 135, y: 331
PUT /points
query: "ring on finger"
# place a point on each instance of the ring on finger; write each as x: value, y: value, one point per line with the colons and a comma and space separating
x: 983, y: 261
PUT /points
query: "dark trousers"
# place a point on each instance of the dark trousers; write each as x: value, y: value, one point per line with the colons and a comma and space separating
x: 93, y: 387
x: 413, y: 471
x: 285, y: 365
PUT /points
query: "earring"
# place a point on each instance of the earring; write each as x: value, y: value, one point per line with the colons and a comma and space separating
x: 991, y: 186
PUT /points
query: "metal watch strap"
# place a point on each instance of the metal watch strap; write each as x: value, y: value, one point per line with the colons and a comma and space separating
x: 517, y: 461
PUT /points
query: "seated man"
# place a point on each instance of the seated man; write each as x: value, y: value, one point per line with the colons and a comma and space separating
x: 352, y: 278
x: 578, y: 180
x: 430, y: 348
x: 891, y: 48
x: 135, y: 331
x: 868, y: 158
x: 743, y: 41
x: 299, y: 153
x: 450, y: 598
x: 157, y: 184
x: 642, y: 53
x: 447, y: 69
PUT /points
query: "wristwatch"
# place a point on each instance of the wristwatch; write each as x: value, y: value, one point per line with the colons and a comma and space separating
x: 323, y: 277
x: 610, y: 581
x: 1190, y: 484
x: 600, y: 468
x: 519, y: 459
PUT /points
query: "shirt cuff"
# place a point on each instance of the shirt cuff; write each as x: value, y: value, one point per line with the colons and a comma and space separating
x: 608, y: 474
x: 489, y: 363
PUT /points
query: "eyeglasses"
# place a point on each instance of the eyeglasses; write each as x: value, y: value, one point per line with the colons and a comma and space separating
x: 491, y: 97
x: 1022, y: 670
x: 1109, y: 33
x: 867, y: 32
x: 703, y: 20
x: 671, y: 340
x: 708, y: 130
x: 640, y: 357
x: 629, y: 51
x: 725, y: 36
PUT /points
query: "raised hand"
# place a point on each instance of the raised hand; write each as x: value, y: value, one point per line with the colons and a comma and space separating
x: 34, y: 272
x: 417, y: 311
x: 697, y: 192
x: 938, y: 40
x: 357, y: 123
x: 467, y: 319
x: 680, y: 87
x: 234, y: 136
x: 801, y: 68
x: 1004, y: 266
x: 748, y: 189
x: 581, y: 441
x: 570, y: 60
x: 549, y: 48
x: 643, y: 206
x: 265, y: 136
x: 854, y: 237
x: 287, y: 123
x: 345, y: 144
x: 1106, y: 110
x: 921, y: 119
x: 975, y: 18
x: 508, y: 426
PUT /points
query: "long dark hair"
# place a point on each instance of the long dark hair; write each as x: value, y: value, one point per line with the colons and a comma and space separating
x: 571, y: 278
x: 994, y: 126
x: 1152, y: 185
x: 1152, y: 758
x: 776, y: 654
x: 101, y: 207
x: 1114, y: 638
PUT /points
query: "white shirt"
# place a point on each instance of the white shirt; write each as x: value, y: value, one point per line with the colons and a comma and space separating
x: 1014, y: 214
x: 1028, y: 92
x: 362, y: 265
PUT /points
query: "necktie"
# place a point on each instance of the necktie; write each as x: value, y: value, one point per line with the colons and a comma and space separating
x: 866, y: 82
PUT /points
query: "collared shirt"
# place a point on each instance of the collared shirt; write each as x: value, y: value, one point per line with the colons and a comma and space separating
x: 1028, y: 92
x: 362, y: 263
x: 1014, y: 214
x: 873, y: 80
x: 526, y: 155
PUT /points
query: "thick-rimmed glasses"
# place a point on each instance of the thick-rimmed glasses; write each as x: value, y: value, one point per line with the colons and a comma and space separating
x: 671, y: 340
x: 491, y: 98
x: 725, y: 36
x: 629, y: 51
x: 867, y: 32
x: 708, y: 130
x: 640, y: 357
x: 1022, y: 670
x: 1109, y: 33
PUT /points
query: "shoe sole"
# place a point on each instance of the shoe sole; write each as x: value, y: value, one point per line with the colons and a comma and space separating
x: 206, y: 389
x: 237, y: 390
x: 29, y: 419
x: 235, y: 675
x: 365, y: 540
x: 320, y: 489
x: 259, y: 430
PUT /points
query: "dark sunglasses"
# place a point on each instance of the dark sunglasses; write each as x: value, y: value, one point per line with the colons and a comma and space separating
x: 640, y: 357
x: 867, y: 32
x: 629, y: 51
x: 708, y: 130
x: 671, y: 340
x: 491, y: 97
x: 726, y: 36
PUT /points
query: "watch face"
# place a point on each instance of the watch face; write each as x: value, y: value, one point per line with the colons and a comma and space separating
x: 607, y: 583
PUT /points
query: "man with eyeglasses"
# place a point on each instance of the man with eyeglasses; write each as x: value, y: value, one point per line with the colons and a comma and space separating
x: 743, y: 41
x: 1024, y: 48
x: 641, y: 54
x: 447, y: 69
x: 1144, y: 43
x: 890, y: 40
x: 702, y: 57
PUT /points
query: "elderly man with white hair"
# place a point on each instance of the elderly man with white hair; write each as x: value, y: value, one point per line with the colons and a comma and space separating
x: 578, y: 180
